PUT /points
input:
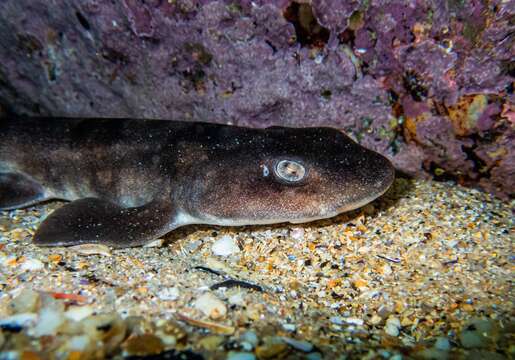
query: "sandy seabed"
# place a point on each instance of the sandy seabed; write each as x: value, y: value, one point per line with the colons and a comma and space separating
x: 424, y: 272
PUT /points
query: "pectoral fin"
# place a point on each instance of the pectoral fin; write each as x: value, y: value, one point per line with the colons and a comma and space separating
x: 92, y: 220
x: 17, y: 190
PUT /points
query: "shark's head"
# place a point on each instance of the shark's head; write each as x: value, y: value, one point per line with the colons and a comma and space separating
x: 274, y: 175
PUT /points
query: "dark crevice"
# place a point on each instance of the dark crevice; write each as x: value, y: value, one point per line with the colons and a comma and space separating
x: 274, y: 49
x: 347, y: 37
x: 83, y: 21
x: 414, y: 86
x: 478, y: 165
x: 440, y: 174
x: 307, y: 29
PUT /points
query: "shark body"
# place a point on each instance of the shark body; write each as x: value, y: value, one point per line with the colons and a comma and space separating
x: 131, y: 181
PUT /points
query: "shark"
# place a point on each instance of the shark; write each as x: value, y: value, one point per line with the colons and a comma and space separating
x: 131, y: 181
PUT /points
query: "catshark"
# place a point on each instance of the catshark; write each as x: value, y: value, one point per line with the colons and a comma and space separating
x: 132, y: 181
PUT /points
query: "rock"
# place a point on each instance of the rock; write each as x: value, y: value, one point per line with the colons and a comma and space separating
x: 169, y: 294
x: 2, y: 339
x: 225, y: 246
x: 211, y: 306
x: 143, y: 345
x: 199, y: 64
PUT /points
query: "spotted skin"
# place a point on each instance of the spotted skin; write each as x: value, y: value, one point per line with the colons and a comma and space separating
x: 132, y: 181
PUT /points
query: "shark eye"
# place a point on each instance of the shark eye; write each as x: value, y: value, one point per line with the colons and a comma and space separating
x: 290, y: 171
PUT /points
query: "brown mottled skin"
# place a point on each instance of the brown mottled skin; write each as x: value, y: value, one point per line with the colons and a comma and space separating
x: 131, y: 181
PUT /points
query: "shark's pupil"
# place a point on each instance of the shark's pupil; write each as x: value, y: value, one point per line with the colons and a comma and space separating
x: 290, y: 170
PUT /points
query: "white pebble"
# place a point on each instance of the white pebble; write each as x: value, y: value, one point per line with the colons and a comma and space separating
x: 392, y: 327
x: 391, y: 330
x: 211, y: 306
x: 393, y: 321
x: 297, y: 234
x: 49, y: 322
x: 32, y: 265
x: 225, y: 246
x: 337, y: 320
x: 78, y: 343
x: 354, y: 321
x: 289, y: 327
x: 78, y: 313
x: 169, y: 294
x: 237, y: 299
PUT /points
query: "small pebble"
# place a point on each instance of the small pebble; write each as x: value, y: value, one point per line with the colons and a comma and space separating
x: 270, y: 351
x: 211, y: 306
x: 143, y: 345
x: 442, y: 344
x: 32, y: 265
x: 225, y: 246
x: 300, y: 345
x: 337, y: 320
x: 233, y: 355
x: 78, y: 343
x: 250, y: 337
x: 314, y: 356
x: 375, y: 319
x: 289, y: 327
x: 297, y: 234
x: 49, y: 321
x: 392, y: 327
x: 354, y: 321
x: 27, y: 301
x: 78, y: 313
x: 169, y: 294
x: 211, y: 342
x: 237, y: 299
